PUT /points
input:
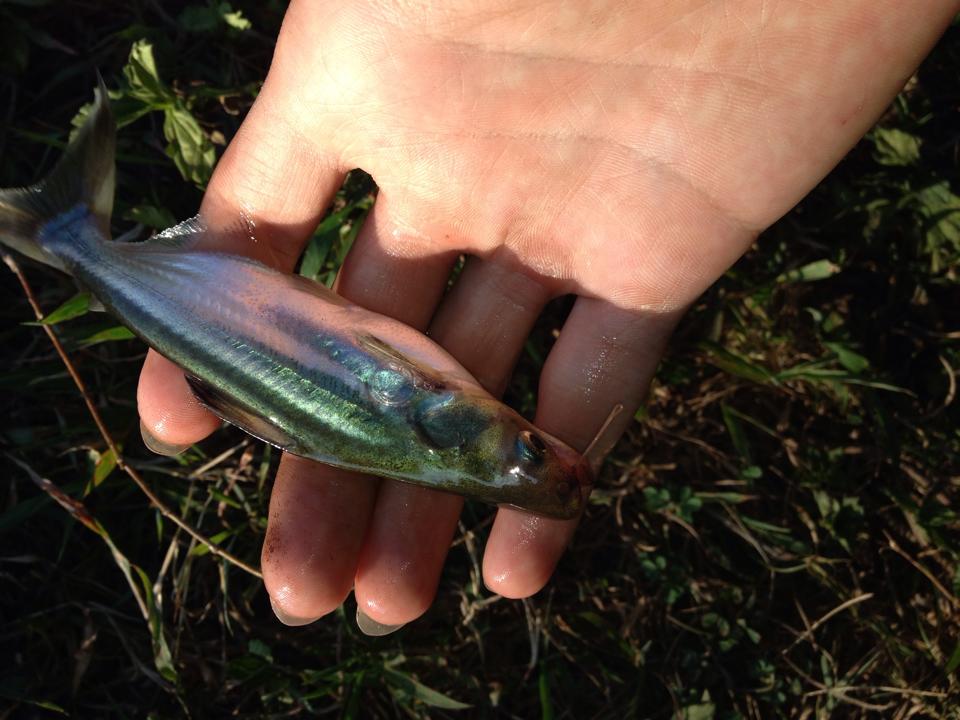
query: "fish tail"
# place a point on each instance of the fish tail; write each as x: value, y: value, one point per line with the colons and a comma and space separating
x: 77, y: 194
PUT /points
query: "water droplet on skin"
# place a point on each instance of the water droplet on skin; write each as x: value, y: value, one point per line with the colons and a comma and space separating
x: 248, y: 223
x: 251, y: 229
x: 598, y: 371
x: 283, y: 593
x: 528, y: 531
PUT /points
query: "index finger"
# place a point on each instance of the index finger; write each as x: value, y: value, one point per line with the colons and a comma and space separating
x: 268, y: 193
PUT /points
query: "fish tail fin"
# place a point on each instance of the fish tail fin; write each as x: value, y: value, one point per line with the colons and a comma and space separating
x: 80, y: 188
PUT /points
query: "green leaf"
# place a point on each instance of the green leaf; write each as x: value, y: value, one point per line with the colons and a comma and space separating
x: 940, y: 210
x: 333, y: 221
x: 151, y: 216
x: 162, y: 657
x: 737, y: 435
x: 198, y: 18
x: 811, y: 272
x: 853, y: 362
x: 546, y: 704
x: 189, y: 147
x: 731, y: 498
x: 736, y: 365
x: 217, y: 539
x: 105, y: 465
x: 207, y: 18
x: 764, y: 527
x: 878, y: 386
x: 316, y: 255
x: 260, y: 649
x: 234, y: 18
x: 895, y: 147
x: 408, y: 688
x: 42, y: 704
x: 703, y: 710
x: 954, y: 662
x: 126, y: 109
x: 109, y: 335
x: 142, y: 76
x: 76, y: 306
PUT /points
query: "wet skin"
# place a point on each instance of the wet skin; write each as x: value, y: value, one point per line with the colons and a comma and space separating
x: 628, y: 154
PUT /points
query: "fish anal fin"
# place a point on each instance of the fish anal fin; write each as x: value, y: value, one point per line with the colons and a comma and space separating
x: 235, y: 414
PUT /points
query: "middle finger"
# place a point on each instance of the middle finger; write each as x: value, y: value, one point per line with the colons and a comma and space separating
x: 483, y: 322
x: 319, y: 514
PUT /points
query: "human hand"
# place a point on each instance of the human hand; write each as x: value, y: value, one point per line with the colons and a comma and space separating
x: 626, y: 154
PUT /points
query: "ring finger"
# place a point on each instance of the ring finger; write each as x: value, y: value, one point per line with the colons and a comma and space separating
x: 605, y: 356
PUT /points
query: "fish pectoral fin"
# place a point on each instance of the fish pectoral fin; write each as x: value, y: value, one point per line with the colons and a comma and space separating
x: 449, y: 423
x: 423, y: 379
x: 235, y: 414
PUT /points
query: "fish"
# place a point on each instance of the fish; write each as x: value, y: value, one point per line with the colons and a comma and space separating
x: 285, y: 358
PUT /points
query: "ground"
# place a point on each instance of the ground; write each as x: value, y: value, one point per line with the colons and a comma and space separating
x: 774, y: 536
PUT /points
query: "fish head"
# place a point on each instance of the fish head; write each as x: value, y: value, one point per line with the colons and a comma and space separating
x: 537, y: 471
x: 502, y: 458
x: 548, y: 476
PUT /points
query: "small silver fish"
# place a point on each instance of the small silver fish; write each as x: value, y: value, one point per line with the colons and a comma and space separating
x: 284, y: 358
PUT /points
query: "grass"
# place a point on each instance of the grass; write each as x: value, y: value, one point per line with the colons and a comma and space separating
x: 775, y: 536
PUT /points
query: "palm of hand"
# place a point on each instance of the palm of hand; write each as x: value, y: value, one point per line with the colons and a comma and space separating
x: 612, y: 157
x: 627, y: 154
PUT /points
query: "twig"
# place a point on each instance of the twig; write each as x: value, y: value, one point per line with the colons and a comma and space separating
x: 80, y: 513
x: 218, y: 459
x: 108, y: 438
x: 838, y: 693
x: 838, y: 609
x: 950, y: 597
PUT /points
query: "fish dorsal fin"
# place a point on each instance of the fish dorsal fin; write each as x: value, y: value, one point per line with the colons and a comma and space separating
x: 421, y: 377
x: 235, y: 414
x: 181, y: 236
x: 187, y: 234
x: 304, y: 284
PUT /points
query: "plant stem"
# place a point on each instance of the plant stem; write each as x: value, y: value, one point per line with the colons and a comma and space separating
x: 108, y: 438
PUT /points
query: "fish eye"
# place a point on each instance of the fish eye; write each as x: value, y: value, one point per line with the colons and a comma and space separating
x: 531, y: 447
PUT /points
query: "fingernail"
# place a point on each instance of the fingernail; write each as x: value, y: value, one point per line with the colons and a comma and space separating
x: 290, y: 620
x: 159, y: 446
x: 369, y: 626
